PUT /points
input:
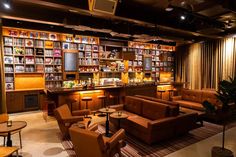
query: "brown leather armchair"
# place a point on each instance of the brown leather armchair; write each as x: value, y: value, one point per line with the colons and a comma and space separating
x: 65, y: 119
x: 101, y: 146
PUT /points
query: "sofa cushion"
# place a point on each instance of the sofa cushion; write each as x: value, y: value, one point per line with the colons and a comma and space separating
x: 154, y: 110
x: 192, y: 95
x: 133, y: 104
x: 191, y: 105
x: 174, y: 106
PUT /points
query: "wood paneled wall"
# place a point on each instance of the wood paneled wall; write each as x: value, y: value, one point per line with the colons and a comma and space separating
x: 203, y: 65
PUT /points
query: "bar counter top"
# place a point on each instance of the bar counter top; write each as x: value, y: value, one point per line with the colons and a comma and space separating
x: 78, y: 89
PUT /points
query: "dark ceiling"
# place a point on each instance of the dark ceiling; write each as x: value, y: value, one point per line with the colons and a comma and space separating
x: 141, y: 20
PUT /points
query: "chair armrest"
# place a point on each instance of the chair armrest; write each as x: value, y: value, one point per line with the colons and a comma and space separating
x: 93, y: 127
x: 174, y: 98
x: 117, y: 107
x: 81, y: 112
x: 115, y: 139
x: 73, y: 119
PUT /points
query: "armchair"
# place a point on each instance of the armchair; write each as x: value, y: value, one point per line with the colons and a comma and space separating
x: 83, y: 139
x: 65, y: 119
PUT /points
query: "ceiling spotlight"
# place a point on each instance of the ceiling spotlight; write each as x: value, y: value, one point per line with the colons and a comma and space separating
x: 182, y: 17
x: 169, y: 8
x: 6, y: 4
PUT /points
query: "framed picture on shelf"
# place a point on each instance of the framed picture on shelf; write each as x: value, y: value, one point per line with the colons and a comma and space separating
x: 66, y: 46
x: 84, y: 39
x: 81, y: 47
x: 9, y: 86
x: 52, y: 37
x: 95, y: 47
x: 77, y: 39
x: 8, y: 60
x: 29, y: 43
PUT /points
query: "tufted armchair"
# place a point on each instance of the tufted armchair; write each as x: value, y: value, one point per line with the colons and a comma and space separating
x: 84, y: 140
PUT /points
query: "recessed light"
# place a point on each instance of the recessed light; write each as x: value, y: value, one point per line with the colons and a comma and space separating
x: 182, y: 17
x: 7, y: 5
x: 169, y: 9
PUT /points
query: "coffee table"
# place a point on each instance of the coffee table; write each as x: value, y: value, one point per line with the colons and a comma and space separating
x: 118, y: 116
x: 107, y: 111
x: 16, y: 126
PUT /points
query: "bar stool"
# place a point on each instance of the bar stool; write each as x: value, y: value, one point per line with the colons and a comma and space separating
x: 48, y: 108
x: 103, y: 102
x: 170, y: 91
x: 87, y: 99
x: 113, y: 97
x: 70, y: 103
x: 161, y: 91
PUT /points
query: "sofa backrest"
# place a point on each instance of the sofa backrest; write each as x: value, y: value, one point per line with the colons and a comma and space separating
x: 192, y: 95
x: 210, y: 97
x: 174, y: 106
x: 154, y: 110
x: 133, y: 104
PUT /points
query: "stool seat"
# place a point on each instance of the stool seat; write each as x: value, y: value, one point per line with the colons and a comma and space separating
x: 101, y: 97
x: 170, y: 90
x: 87, y: 99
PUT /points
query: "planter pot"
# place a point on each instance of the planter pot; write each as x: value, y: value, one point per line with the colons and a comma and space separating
x: 219, y: 152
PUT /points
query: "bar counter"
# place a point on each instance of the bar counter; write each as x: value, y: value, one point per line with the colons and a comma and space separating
x: 114, y: 94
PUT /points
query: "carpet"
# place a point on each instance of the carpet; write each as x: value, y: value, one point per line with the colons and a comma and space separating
x: 136, y: 148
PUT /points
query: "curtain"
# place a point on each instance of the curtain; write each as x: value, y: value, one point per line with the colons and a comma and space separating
x: 3, y: 108
x: 203, y: 65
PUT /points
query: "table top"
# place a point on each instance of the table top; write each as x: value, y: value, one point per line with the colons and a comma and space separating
x: 105, y: 110
x: 121, y: 116
x: 16, y: 125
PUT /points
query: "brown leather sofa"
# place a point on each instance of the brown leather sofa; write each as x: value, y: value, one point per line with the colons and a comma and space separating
x: 152, y: 121
x: 193, y: 99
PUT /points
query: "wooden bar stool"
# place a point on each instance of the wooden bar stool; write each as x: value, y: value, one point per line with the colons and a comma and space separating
x: 161, y: 91
x: 70, y: 103
x: 48, y: 107
x: 103, y: 102
x: 170, y: 93
x: 87, y: 99
x: 114, y: 99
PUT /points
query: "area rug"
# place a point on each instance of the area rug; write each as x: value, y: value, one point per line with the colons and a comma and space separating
x: 136, y: 148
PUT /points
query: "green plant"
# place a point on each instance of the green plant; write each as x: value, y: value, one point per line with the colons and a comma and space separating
x: 226, y: 93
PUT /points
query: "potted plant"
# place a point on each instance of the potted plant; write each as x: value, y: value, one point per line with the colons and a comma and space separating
x: 226, y: 94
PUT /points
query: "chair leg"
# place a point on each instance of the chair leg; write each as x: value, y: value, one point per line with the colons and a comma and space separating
x: 20, y: 139
x: 4, y: 140
x: 17, y: 154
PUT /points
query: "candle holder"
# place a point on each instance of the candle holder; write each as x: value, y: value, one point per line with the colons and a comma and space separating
x: 9, y: 123
x: 119, y: 113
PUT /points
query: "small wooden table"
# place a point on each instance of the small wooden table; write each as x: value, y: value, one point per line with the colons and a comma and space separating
x: 16, y: 126
x: 107, y: 111
x: 118, y: 116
